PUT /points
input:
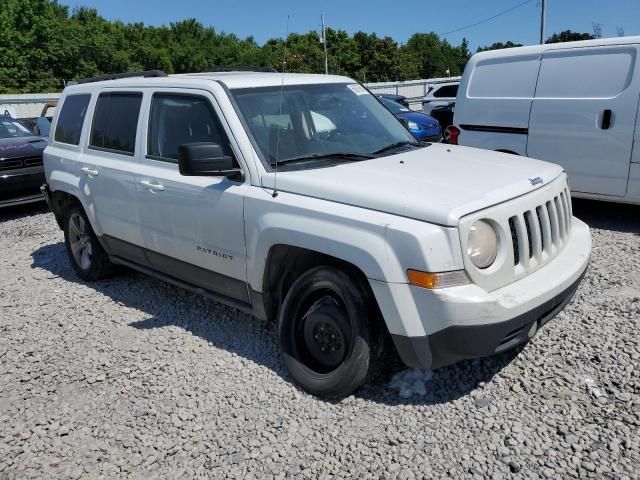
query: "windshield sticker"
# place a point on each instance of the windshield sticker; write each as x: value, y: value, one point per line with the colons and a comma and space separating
x: 357, y: 89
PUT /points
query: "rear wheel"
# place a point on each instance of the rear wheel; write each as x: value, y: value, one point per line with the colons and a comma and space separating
x: 329, y: 332
x: 88, y: 258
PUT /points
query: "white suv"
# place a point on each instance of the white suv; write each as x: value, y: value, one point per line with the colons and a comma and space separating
x: 301, y: 198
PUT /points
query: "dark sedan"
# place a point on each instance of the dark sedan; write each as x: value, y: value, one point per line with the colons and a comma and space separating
x: 21, y: 172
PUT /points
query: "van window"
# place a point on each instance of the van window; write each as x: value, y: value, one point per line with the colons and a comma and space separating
x: 511, y: 77
x: 179, y: 119
x: 592, y: 73
x: 446, y: 91
x: 115, y: 122
x: 71, y: 118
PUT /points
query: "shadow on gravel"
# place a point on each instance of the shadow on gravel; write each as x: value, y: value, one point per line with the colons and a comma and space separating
x: 20, y: 211
x: 618, y: 217
x: 253, y: 339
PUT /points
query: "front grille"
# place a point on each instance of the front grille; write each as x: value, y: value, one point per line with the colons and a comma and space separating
x: 540, y: 232
x: 17, y: 163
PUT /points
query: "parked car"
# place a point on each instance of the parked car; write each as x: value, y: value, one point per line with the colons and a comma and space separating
x: 401, y: 99
x: 444, y: 114
x: 574, y: 104
x: 21, y: 173
x: 438, y: 95
x: 38, y: 125
x: 222, y: 184
x: 421, y: 126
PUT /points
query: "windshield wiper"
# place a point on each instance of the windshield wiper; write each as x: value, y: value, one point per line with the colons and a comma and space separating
x: 337, y: 155
x: 393, y: 146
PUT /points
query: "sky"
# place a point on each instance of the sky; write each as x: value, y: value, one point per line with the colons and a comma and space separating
x: 264, y: 19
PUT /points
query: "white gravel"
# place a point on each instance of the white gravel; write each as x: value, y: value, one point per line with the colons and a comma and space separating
x: 130, y: 377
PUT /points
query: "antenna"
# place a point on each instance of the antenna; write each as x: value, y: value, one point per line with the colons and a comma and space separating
x: 324, y: 44
x: 284, y: 69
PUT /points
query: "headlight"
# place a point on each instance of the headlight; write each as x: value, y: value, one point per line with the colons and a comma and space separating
x: 412, y: 125
x: 482, y: 245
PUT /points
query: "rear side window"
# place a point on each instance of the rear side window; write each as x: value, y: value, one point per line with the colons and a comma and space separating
x: 71, y: 118
x: 179, y: 119
x: 446, y: 91
x: 511, y: 77
x: 586, y: 73
x: 115, y: 122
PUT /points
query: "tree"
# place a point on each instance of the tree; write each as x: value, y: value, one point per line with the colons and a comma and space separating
x: 569, y: 36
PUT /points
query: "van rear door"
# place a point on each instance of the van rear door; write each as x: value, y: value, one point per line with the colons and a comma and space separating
x: 583, y: 115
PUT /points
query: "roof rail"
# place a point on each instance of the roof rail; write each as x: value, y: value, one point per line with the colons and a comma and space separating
x: 115, y: 76
x: 242, y: 68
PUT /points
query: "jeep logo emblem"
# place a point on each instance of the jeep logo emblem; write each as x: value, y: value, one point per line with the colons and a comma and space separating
x: 536, y: 181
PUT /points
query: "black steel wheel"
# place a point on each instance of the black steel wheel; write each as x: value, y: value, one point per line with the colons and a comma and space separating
x: 329, y: 332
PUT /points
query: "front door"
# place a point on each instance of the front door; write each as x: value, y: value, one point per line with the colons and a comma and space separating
x: 193, y: 227
x: 583, y: 115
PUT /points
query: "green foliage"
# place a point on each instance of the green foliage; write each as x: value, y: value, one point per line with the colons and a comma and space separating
x: 43, y: 45
x: 569, y: 36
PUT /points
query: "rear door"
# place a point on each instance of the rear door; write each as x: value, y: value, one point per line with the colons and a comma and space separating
x: 583, y: 115
x: 107, y: 165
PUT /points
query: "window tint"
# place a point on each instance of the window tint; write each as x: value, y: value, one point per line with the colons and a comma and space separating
x: 446, y: 91
x: 179, y: 119
x: 115, y: 122
x: 595, y: 73
x: 71, y: 119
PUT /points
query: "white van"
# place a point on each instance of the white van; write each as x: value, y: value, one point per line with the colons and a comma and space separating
x: 574, y: 104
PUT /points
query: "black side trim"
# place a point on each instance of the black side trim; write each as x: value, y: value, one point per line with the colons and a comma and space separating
x: 187, y: 286
x: 491, y: 128
x: 191, y: 277
x: 457, y: 343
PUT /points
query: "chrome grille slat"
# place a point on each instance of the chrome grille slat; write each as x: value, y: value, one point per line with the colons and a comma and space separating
x: 553, y: 218
x: 561, y: 219
x: 539, y: 232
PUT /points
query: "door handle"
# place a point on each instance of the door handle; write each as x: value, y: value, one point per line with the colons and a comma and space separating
x: 90, y: 171
x: 606, y: 119
x: 154, y: 187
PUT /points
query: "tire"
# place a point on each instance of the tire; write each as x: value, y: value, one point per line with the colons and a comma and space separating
x: 329, y: 333
x: 87, y: 257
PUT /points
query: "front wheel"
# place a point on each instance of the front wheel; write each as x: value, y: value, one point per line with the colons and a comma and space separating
x: 329, y: 332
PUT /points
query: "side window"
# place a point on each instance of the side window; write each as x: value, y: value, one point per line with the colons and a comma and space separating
x: 71, y: 118
x: 178, y: 119
x: 446, y: 91
x: 586, y: 73
x: 510, y: 77
x: 115, y: 122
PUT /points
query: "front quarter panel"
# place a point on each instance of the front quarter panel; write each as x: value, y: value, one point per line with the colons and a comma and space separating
x: 381, y: 245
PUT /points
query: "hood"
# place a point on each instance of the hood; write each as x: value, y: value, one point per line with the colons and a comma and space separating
x: 438, y: 184
x: 18, y: 147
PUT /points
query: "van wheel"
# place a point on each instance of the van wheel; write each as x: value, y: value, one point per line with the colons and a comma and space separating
x: 328, y: 332
x: 88, y: 258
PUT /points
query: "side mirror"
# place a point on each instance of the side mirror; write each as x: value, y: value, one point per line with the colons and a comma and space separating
x: 205, y: 159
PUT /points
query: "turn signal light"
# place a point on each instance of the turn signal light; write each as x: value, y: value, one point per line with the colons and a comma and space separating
x: 437, y: 280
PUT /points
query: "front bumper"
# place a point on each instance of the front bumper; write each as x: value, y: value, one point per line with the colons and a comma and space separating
x: 22, y: 186
x: 439, y: 327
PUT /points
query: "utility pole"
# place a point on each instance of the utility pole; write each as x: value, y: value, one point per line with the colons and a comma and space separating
x: 542, y: 21
x: 324, y: 43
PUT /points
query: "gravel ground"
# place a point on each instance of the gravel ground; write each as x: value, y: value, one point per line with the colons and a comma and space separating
x: 130, y: 377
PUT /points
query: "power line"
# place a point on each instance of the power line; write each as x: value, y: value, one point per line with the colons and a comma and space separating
x: 486, y: 19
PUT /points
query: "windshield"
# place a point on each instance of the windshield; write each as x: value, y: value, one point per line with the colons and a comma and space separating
x: 395, y: 107
x: 315, y: 122
x: 10, y: 128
